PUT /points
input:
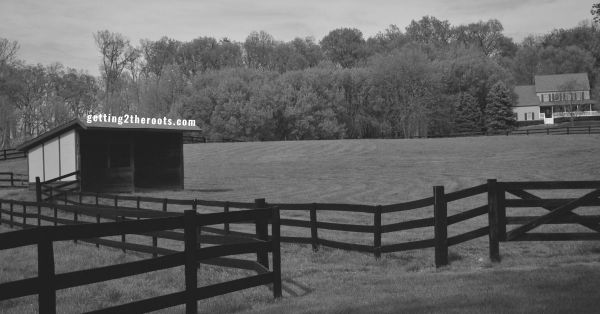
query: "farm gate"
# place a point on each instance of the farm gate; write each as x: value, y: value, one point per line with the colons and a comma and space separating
x: 556, y: 211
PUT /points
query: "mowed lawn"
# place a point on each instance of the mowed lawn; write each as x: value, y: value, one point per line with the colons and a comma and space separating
x: 532, y: 277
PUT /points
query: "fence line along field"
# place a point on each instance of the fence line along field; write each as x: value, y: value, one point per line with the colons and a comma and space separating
x: 379, y: 172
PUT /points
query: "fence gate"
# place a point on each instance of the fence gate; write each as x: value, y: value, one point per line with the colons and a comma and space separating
x: 559, y: 211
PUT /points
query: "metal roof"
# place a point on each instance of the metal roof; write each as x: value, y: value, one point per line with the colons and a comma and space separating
x: 562, y: 82
x: 102, y: 126
x: 526, y: 96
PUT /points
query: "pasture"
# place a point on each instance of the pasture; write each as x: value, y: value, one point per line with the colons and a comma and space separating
x: 559, y: 276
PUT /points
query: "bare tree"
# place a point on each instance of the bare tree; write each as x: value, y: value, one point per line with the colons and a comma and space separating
x: 8, y: 51
x: 567, y: 95
x: 117, y: 53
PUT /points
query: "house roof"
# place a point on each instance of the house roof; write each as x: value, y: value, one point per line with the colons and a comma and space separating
x: 104, y: 126
x: 562, y: 82
x: 526, y: 96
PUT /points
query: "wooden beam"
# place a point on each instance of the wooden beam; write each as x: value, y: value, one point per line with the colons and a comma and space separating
x: 515, y: 233
x: 580, y: 220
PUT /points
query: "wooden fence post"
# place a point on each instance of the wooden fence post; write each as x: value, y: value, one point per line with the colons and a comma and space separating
x: 377, y: 232
x: 55, y: 215
x: 39, y: 215
x: 226, y: 225
x: 314, y: 233
x: 191, y: 281
x: 123, y: 235
x: 440, y: 213
x: 568, y: 131
x: 165, y: 205
x: 116, y: 201
x: 493, y: 220
x: 11, y: 214
x: 97, y: 199
x: 24, y: 216
x: 262, y: 233
x: 97, y: 221
x: 75, y: 219
x: 276, y: 248
x: 137, y: 203
x: 501, y: 206
x: 47, y: 292
x: 1, y: 212
x: 12, y: 178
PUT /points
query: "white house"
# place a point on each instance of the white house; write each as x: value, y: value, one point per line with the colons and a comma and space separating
x: 555, y: 96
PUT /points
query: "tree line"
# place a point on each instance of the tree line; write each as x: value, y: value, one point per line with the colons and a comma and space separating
x: 431, y: 79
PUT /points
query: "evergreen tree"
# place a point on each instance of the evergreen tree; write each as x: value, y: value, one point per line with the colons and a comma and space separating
x: 468, y: 114
x: 498, y: 110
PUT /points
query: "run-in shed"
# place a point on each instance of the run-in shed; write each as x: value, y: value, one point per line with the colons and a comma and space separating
x: 110, y: 157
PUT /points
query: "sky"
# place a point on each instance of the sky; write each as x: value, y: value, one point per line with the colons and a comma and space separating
x: 62, y: 30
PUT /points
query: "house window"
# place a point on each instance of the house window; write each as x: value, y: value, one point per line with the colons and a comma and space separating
x: 119, y: 155
x: 525, y: 116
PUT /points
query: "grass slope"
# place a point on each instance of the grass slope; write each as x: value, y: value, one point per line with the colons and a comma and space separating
x: 379, y: 172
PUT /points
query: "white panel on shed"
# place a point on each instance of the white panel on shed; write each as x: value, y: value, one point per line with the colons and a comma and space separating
x: 68, y: 155
x: 35, y: 159
x: 51, y: 159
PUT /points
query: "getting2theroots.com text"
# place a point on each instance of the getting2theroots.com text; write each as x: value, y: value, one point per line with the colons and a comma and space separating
x: 134, y: 119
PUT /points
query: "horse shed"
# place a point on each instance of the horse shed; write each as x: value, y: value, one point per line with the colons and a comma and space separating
x: 110, y: 157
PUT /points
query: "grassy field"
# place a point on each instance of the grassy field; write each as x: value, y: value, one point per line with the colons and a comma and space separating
x: 532, y: 277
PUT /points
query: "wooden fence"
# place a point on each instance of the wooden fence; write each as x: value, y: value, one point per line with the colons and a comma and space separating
x: 11, y: 179
x: 439, y: 222
x: 569, y: 130
x: 162, y: 224
x: 8, y: 154
x: 559, y: 211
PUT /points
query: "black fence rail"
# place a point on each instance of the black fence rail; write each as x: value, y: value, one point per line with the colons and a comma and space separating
x: 569, y: 130
x: 558, y: 211
x: 11, y: 179
x: 11, y: 153
x: 189, y: 139
x: 48, y: 282
x: 439, y: 221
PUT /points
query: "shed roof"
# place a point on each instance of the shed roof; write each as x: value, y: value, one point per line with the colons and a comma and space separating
x: 104, y: 126
x: 526, y: 96
x: 562, y: 82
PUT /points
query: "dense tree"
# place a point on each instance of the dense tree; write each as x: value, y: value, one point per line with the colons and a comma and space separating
x: 430, y: 31
x: 405, y: 84
x: 158, y: 54
x: 432, y: 79
x: 259, y: 49
x: 486, y: 36
x: 384, y: 42
x: 468, y: 114
x: 345, y: 46
x: 570, y: 59
x: 498, y: 110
